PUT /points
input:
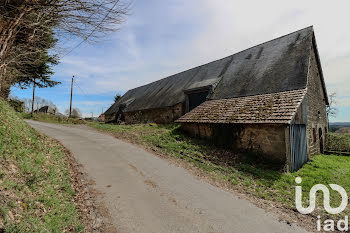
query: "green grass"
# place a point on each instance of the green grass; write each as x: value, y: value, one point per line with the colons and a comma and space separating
x: 36, y: 192
x: 51, y: 118
x: 246, y: 172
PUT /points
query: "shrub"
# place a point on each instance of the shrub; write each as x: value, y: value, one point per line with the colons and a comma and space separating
x: 17, y: 105
x: 338, y: 142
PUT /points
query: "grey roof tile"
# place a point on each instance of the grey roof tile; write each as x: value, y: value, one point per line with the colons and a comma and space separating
x: 266, y: 108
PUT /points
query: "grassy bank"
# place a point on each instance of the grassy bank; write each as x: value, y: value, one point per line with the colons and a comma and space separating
x: 51, y: 118
x: 35, y: 186
x: 246, y: 173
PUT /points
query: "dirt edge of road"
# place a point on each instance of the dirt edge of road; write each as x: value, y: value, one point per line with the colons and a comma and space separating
x: 95, y: 215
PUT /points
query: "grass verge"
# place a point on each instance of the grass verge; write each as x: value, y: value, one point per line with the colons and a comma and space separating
x: 245, y: 173
x: 36, y: 193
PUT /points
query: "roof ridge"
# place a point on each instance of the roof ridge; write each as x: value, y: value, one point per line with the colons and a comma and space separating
x: 220, y: 59
x: 277, y: 38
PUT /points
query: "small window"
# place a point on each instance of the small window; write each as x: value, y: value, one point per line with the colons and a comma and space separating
x: 314, y: 136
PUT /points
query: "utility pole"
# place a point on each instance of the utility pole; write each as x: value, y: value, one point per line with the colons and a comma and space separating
x: 71, y: 97
x: 33, y: 98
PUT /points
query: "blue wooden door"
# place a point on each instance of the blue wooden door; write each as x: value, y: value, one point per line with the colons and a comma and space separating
x: 298, y: 146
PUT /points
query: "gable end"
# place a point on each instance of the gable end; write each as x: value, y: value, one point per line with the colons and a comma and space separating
x: 318, y: 61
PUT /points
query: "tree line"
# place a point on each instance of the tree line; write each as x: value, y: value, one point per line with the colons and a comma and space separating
x: 30, y: 30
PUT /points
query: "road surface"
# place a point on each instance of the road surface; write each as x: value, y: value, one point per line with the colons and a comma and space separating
x: 147, y: 194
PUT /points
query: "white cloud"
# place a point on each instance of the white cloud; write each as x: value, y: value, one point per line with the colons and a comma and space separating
x: 343, y: 101
x: 92, y: 103
x: 164, y: 38
x: 236, y: 25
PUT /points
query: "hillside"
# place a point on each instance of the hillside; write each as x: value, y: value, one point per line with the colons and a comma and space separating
x: 36, y: 190
x: 335, y: 126
x: 340, y: 123
x: 344, y: 130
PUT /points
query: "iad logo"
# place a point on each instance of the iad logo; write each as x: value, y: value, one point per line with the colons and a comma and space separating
x: 326, y: 200
x: 329, y: 224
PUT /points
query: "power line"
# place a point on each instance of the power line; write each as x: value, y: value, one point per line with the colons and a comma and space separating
x: 93, y: 31
x: 84, y: 93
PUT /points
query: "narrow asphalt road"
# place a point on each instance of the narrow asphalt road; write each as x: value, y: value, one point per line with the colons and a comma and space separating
x: 146, y: 194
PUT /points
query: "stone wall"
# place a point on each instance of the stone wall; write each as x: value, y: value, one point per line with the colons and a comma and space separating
x: 101, y: 118
x: 267, y: 140
x: 160, y: 115
x: 198, y: 130
x: 108, y: 118
x: 317, y: 119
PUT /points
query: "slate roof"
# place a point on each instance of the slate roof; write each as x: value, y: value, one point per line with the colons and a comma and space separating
x: 46, y: 109
x: 275, y: 66
x: 267, y: 108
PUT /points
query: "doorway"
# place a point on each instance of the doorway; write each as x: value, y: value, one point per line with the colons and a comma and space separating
x: 321, y: 140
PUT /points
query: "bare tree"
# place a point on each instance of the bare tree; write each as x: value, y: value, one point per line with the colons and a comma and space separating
x: 76, y: 113
x: 26, y: 24
x: 331, y: 108
x: 39, y: 102
x: 27, y: 105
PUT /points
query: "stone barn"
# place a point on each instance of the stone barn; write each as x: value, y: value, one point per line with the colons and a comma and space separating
x: 269, y: 99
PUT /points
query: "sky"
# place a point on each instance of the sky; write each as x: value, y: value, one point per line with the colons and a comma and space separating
x: 161, y: 38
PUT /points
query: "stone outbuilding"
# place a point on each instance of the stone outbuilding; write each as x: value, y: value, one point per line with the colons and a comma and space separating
x: 47, y: 110
x: 269, y: 99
